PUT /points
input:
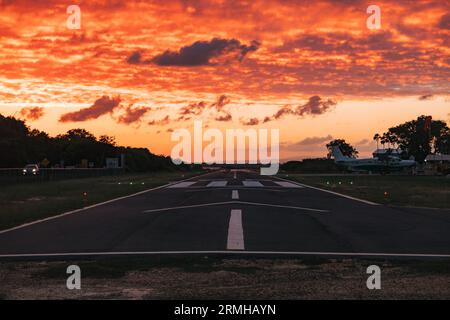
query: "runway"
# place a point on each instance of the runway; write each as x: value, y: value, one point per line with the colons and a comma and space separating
x: 235, y: 212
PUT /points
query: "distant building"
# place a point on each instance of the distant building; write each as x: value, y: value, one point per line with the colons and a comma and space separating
x: 437, y: 164
x: 112, y: 163
x: 382, y: 153
x: 115, y: 163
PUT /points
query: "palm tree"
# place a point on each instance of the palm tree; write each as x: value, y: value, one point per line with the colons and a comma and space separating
x: 383, y: 139
x: 376, y: 137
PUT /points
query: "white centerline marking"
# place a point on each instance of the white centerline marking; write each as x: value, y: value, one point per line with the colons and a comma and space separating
x: 234, y: 194
x: 252, y: 183
x: 235, y: 175
x: 217, y: 184
x: 235, y: 231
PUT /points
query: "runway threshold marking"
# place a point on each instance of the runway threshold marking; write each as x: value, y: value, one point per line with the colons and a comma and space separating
x: 234, y: 194
x: 235, y: 202
x: 217, y: 184
x: 286, y: 184
x: 235, y: 239
x: 247, y: 183
x: 182, y: 184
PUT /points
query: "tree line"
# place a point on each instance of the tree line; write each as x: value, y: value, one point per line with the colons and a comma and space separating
x: 417, y: 138
x: 20, y: 145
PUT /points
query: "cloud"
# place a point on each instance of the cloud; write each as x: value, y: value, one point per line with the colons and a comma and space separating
x: 225, y: 116
x: 136, y: 58
x: 444, y: 22
x: 160, y: 122
x: 133, y: 115
x: 329, y: 51
x: 314, y: 140
x: 222, y: 101
x: 328, y: 43
x: 307, y: 144
x: 250, y: 122
x: 100, y: 107
x: 202, y: 53
x: 426, y: 97
x: 363, y: 142
x: 281, y: 112
x: 315, y: 106
x: 32, y: 113
x: 197, y: 108
x: 365, y: 145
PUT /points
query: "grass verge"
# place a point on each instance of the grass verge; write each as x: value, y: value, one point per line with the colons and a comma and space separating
x: 419, y: 191
x: 24, y: 203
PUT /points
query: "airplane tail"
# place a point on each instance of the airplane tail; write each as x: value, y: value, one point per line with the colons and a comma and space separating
x: 337, y: 154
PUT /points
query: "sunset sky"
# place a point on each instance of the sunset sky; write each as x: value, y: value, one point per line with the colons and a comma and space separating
x: 138, y: 70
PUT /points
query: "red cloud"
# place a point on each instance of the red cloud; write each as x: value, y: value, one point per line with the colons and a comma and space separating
x: 32, y: 113
x: 160, y: 122
x: 133, y: 115
x: 100, y: 107
x: 315, y: 106
x: 250, y: 122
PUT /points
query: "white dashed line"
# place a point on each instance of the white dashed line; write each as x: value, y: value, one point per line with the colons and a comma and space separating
x: 235, y: 195
x: 235, y: 231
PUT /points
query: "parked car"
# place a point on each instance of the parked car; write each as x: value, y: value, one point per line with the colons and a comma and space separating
x: 30, y: 169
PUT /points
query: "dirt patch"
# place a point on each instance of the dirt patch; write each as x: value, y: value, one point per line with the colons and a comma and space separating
x: 227, y: 279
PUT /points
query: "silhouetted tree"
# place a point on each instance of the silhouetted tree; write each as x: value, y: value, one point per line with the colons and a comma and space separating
x: 346, y: 148
x: 377, y: 138
x: 420, y: 137
x: 19, y: 145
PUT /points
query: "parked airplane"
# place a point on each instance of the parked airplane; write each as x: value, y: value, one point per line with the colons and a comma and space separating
x: 387, y: 164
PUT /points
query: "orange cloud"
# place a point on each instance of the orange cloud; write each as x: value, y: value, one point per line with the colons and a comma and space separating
x: 32, y: 113
x: 269, y: 56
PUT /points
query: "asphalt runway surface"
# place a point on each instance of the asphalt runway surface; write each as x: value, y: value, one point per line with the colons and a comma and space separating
x: 237, y: 212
